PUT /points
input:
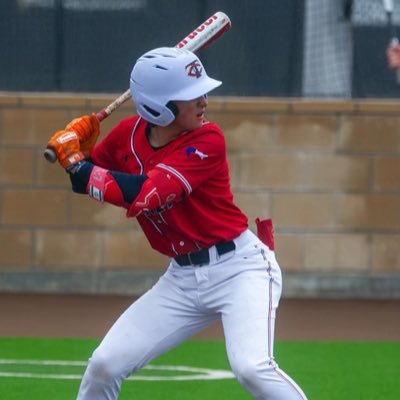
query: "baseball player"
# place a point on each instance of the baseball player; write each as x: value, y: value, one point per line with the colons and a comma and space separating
x: 167, y: 166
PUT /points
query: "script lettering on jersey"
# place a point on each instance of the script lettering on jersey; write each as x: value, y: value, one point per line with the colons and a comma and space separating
x: 159, y: 210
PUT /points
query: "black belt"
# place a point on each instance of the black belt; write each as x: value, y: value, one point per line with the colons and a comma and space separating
x: 202, y: 257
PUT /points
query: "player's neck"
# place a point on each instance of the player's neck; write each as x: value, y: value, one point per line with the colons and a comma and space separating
x: 160, y: 136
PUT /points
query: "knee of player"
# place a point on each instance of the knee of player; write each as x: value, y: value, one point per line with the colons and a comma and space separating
x: 103, y: 367
x: 248, y: 372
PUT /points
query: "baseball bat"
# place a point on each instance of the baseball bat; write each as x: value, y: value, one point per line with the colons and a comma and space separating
x: 205, y: 34
x: 388, y: 6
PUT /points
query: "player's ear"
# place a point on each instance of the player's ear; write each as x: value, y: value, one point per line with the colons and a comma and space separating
x: 173, y: 107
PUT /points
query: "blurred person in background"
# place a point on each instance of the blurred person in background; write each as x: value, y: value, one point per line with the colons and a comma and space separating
x: 329, y: 44
x: 393, y: 56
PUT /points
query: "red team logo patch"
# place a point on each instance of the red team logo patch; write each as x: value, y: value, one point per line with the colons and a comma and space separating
x: 194, y: 69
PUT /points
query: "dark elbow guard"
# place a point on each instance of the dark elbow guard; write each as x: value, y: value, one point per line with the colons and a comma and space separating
x: 130, y: 185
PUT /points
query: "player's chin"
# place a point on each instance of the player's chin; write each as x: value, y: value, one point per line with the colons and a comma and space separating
x: 195, y: 123
x: 199, y: 124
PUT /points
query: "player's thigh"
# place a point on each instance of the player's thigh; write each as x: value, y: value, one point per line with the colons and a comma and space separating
x: 249, y: 318
x: 159, y: 320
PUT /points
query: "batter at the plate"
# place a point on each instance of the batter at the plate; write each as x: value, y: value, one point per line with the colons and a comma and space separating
x: 168, y: 168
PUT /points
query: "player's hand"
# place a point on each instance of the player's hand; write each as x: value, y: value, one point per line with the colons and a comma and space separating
x: 67, y: 148
x: 88, y: 130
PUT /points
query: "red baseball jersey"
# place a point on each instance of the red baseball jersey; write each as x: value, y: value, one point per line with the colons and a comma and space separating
x: 197, y: 160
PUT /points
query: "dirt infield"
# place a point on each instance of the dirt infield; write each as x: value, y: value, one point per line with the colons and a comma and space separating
x: 298, y: 319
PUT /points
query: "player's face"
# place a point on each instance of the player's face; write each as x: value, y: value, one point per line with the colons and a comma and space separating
x: 191, y: 113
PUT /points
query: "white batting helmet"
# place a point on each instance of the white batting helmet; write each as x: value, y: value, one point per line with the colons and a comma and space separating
x: 163, y: 75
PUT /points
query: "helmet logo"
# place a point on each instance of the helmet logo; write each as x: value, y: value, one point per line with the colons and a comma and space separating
x: 194, y: 69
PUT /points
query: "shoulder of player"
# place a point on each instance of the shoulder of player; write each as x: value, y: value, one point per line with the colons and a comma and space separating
x: 121, y: 133
x: 209, y: 132
x: 123, y: 128
x: 118, y: 135
x: 211, y: 127
x: 128, y: 123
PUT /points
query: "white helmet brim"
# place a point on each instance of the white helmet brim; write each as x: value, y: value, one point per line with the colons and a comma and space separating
x: 196, y: 90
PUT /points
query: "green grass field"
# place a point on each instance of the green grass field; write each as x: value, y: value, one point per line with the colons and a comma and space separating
x: 325, y: 370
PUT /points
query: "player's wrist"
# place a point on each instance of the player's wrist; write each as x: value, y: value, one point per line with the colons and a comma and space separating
x: 70, y: 160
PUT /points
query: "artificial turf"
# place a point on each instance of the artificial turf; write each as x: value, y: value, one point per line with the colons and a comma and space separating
x: 324, y: 370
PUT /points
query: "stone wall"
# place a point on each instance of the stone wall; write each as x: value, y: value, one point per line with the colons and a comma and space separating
x: 327, y: 172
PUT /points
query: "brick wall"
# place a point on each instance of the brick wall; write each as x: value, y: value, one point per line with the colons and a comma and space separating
x: 327, y: 172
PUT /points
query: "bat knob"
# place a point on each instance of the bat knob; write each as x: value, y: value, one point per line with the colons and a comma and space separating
x: 50, y: 155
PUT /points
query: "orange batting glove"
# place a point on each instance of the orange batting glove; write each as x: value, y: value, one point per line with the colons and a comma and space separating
x: 67, y: 148
x: 88, y: 130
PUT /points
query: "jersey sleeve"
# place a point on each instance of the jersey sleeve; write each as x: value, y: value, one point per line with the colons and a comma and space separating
x: 196, y: 161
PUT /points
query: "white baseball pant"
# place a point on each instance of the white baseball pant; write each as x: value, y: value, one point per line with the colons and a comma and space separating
x: 242, y: 288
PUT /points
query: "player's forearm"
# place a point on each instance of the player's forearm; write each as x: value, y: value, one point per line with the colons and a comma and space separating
x: 136, y: 193
x: 117, y: 188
